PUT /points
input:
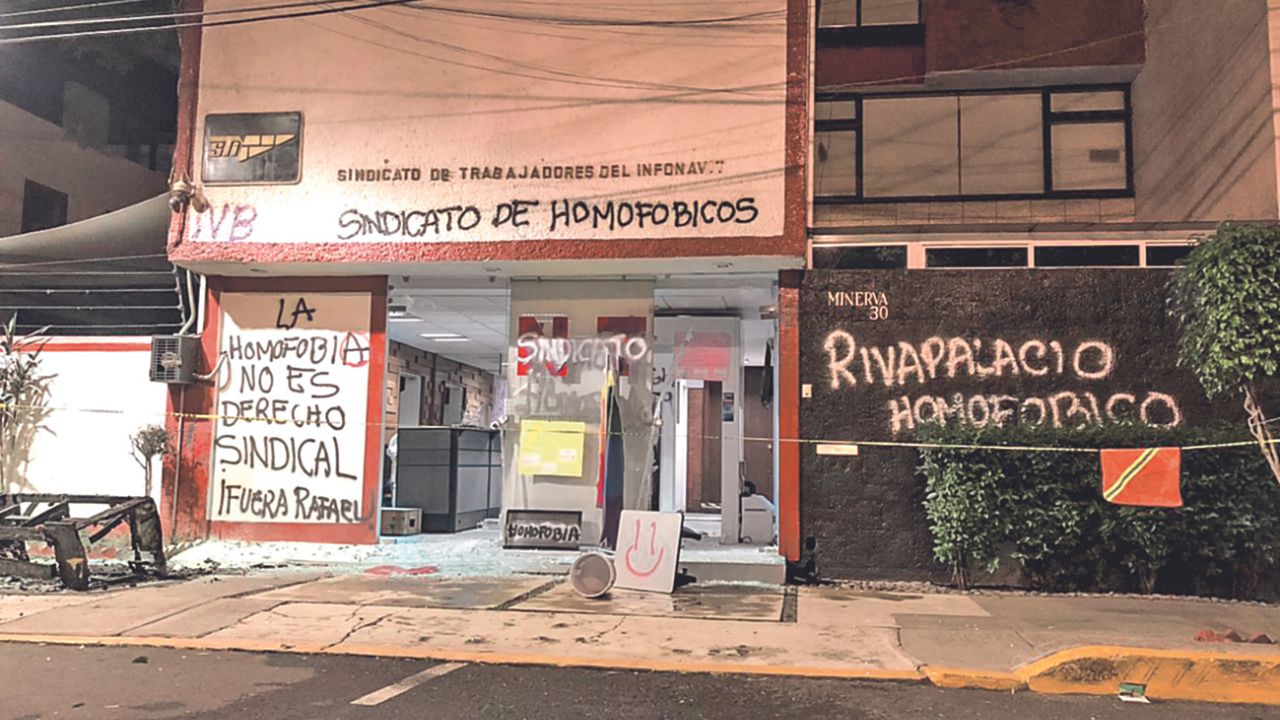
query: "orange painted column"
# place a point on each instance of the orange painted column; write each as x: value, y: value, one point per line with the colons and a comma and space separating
x: 788, y: 399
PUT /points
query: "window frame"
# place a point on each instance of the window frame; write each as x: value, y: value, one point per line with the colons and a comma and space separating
x: 857, y: 18
x: 1040, y: 250
x: 936, y: 251
x: 917, y: 251
x: 61, y: 201
x: 1049, y: 120
x: 817, y: 248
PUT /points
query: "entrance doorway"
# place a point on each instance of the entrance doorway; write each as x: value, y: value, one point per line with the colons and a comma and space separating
x: 712, y: 336
x: 410, y: 400
x: 496, y: 357
x: 704, y: 457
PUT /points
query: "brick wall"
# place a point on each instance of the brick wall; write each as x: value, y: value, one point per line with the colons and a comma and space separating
x: 866, y: 64
x: 436, y: 372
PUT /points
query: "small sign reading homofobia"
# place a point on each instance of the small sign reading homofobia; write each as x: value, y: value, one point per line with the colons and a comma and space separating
x: 542, y: 529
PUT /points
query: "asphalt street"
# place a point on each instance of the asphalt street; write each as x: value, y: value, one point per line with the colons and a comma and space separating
x: 38, y: 681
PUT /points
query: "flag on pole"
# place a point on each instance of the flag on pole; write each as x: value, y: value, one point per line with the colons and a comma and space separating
x: 612, y: 464
x: 1149, y: 477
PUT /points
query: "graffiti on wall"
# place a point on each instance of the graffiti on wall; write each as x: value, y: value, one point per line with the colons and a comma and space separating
x: 993, y: 378
x: 289, y: 438
x: 621, y: 341
x: 559, y: 353
x: 551, y: 367
x: 553, y: 217
x: 227, y: 222
x: 912, y: 367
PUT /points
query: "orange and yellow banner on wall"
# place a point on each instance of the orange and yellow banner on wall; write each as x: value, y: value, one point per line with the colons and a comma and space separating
x: 1150, y: 477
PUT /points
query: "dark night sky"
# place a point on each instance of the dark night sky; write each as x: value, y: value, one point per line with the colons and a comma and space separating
x: 137, y: 73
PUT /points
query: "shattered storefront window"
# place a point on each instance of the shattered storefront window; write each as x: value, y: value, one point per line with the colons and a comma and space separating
x: 563, y: 449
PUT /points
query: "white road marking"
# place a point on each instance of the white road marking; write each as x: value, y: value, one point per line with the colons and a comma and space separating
x: 377, y: 697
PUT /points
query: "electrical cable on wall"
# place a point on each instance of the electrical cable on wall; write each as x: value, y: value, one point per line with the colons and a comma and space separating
x: 176, y: 26
x: 697, y: 22
x: 171, y: 16
x: 71, y: 8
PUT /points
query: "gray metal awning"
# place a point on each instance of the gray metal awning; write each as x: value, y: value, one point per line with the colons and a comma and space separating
x: 138, y: 231
x: 107, y: 275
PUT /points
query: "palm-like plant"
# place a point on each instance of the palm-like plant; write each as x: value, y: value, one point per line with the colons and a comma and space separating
x: 24, y: 398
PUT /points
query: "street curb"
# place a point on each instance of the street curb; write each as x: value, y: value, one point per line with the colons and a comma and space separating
x: 1195, y: 675
x: 1235, y: 676
x: 1246, y: 677
x: 951, y: 678
x: 479, y: 658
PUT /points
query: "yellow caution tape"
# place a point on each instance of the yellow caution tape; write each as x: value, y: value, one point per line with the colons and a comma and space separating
x: 803, y: 441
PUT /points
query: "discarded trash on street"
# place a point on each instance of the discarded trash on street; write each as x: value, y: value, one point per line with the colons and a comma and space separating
x: 592, y: 575
x: 1133, y: 692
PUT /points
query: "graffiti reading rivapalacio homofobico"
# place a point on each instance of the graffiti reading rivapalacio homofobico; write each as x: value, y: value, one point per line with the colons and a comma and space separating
x: 980, y: 379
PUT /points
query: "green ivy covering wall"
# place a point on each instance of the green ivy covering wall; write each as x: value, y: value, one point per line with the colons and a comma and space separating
x: 1044, y: 512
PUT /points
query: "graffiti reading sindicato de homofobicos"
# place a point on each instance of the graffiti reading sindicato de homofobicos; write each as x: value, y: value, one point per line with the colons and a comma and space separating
x: 914, y: 366
x: 550, y: 217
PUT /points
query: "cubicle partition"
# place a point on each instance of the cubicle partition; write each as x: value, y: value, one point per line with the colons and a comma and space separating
x: 453, y: 474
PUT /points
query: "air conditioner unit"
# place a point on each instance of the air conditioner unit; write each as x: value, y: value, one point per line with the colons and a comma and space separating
x: 173, y: 359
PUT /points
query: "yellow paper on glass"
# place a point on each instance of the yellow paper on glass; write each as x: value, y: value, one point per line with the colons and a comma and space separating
x: 551, y: 447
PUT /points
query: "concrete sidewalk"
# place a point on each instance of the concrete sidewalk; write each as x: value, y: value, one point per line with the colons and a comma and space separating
x: 1049, y: 644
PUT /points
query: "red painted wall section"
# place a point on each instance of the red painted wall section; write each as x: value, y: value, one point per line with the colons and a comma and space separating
x: 191, y: 418
x: 265, y: 254
x: 795, y: 230
x: 55, y: 344
x: 788, y: 391
x: 891, y: 64
x: 789, y: 448
x: 1007, y: 34
x: 992, y: 35
x: 185, y: 483
x: 188, y: 101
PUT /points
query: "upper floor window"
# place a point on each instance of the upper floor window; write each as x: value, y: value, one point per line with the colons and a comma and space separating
x: 42, y: 207
x: 1014, y: 144
x: 1090, y: 255
x: 866, y: 13
x: 859, y: 257
x: 839, y: 255
x: 1166, y: 255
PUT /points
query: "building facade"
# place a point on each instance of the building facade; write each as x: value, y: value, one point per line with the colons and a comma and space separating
x: 82, y: 140
x: 83, y: 160
x: 997, y: 184
x: 415, y: 221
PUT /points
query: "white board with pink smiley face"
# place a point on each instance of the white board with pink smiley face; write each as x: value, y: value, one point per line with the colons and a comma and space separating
x: 648, y: 550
